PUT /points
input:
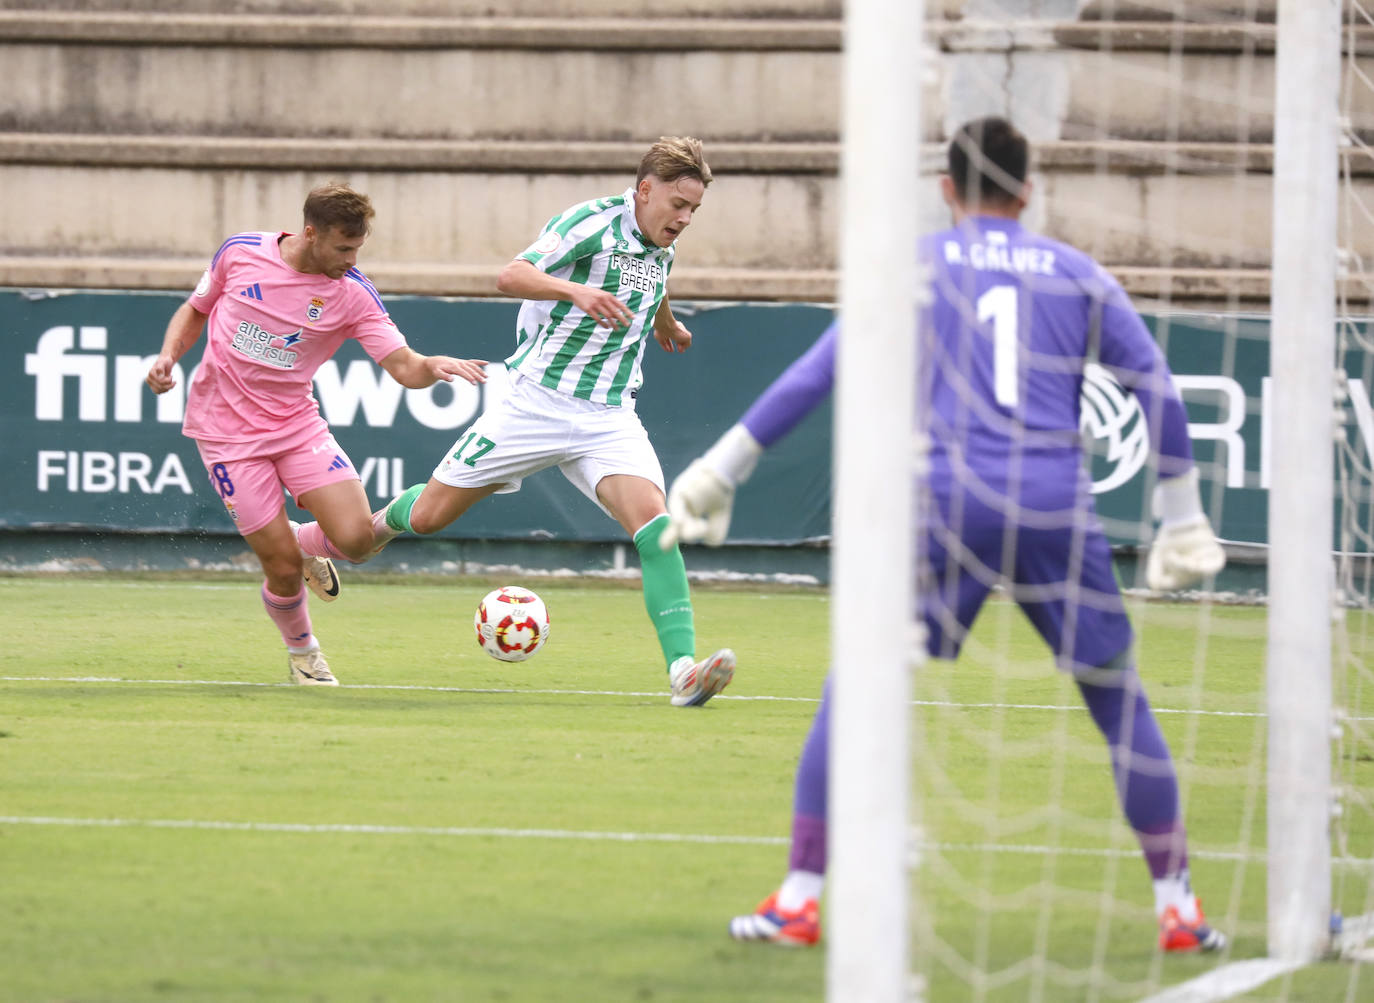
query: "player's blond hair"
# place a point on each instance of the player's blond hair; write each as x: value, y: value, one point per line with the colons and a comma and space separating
x: 675, y: 157
x: 337, y: 205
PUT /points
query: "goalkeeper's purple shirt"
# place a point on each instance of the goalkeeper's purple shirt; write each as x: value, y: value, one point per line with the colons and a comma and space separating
x: 1012, y: 320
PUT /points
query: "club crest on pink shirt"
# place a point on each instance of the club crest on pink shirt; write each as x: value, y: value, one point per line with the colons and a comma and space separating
x: 315, y: 310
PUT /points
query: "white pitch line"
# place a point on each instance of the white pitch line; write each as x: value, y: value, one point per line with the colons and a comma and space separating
x: 588, y: 835
x: 1123, y: 853
x: 947, y: 704
x: 1230, y: 980
x: 1226, y: 982
x: 179, y: 586
x: 377, y: 686
x: 390, y: 830
x: 1223, y: 983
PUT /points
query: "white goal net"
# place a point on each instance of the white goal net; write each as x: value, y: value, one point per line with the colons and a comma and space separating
x: 1028, y: 861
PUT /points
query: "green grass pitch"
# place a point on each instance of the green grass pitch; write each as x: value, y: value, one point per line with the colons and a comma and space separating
x: 178, y: 823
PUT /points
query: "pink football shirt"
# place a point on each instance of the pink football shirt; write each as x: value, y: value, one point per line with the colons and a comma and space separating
x: 270, y: 328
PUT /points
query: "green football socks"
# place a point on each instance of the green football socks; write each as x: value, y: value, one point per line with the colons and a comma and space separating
x: 666, y: 594
x: 398, y: 512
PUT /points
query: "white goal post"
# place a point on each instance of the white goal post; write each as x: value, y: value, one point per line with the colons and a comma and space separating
x: 1301, y: 579
x: 872, y: 816
x: 867, y: 898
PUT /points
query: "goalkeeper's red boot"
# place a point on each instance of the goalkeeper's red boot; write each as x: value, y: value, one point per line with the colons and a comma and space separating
x: 1177, y: 935
x: 793, y: 929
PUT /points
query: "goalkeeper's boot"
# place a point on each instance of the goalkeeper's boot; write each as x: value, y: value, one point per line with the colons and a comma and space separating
x: 318, y: 571
x: 792, y: 929
x: 696, y: 682
x: 1177, y: 935
x: 310, y: 669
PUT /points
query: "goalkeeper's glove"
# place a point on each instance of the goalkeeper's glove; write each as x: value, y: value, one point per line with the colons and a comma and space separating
x: 1185, y: 548
x: 702, y: 497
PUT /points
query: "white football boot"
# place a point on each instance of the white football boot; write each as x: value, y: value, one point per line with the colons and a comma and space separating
x: 310, y: 669
x: 318, y: 571
x: 696, y: 682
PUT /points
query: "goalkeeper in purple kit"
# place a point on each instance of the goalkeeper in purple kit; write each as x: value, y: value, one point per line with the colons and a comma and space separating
x: 1013, y: 320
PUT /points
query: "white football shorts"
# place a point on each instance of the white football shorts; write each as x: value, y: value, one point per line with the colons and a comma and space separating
x: 533, y: 428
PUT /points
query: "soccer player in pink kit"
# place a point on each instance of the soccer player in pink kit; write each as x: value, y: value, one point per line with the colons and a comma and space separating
x: 278, y: 305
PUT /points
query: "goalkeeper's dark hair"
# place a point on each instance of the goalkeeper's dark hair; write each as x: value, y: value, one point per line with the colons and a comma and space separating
x: 988, y: 158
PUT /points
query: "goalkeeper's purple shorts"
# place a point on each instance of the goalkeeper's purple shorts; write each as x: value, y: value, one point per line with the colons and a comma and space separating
x: 1060, y: 575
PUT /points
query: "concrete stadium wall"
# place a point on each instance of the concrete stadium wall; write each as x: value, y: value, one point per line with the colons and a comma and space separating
x: 136, y: 134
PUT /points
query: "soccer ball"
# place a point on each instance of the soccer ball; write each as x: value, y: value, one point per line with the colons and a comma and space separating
x: 512, y: 623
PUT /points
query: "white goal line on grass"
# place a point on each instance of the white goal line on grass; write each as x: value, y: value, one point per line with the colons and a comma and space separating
x: 368, y: 829
x: 949, y: 704
x: 1224, y: 983
x: 350, y: 828
x: 1236, y: 977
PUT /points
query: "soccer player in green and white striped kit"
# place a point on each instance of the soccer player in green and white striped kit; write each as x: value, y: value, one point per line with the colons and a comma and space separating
x: 594, y: 287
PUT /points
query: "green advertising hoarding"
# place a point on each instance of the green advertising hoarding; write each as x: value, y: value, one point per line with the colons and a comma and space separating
x: 88, y: 447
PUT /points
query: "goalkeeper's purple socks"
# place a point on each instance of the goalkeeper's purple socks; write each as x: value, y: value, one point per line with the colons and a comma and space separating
x: 1146, y: 782
x: 809, y: 796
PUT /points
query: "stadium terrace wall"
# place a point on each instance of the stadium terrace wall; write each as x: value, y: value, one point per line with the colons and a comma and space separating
x: 95, y: 463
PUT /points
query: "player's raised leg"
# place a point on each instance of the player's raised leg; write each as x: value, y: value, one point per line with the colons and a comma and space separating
x: 343, y: 525
x: 420, y: 509
x: 322, y: 479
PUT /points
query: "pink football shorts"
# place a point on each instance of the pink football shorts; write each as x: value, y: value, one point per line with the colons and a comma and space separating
x: 250, y: 481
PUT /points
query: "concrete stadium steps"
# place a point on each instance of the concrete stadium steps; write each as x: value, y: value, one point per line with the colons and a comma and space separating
x: 1186, y: 217
x: 732, y: 78
x: 1202, y: 11
x: 467, y: 217
x: 1196, y: 288
x: 474, y: 8
x: 690, y: 283
x: 566, y: 78
x: 471, y: 121
x: 1118, y: 10
x: 394, y: 154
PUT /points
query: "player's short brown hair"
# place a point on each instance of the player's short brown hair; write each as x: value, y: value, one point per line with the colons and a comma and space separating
x: 337, y: 205
x: 674, y: 157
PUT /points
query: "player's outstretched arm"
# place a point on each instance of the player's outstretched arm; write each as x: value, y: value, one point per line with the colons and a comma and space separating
x: 702, y: 497
x: 182, y: 331
x: 1185, y: 549
x: 415, y: 371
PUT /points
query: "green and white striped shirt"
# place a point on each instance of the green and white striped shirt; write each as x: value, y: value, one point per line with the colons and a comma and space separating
x: 594, y: 243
